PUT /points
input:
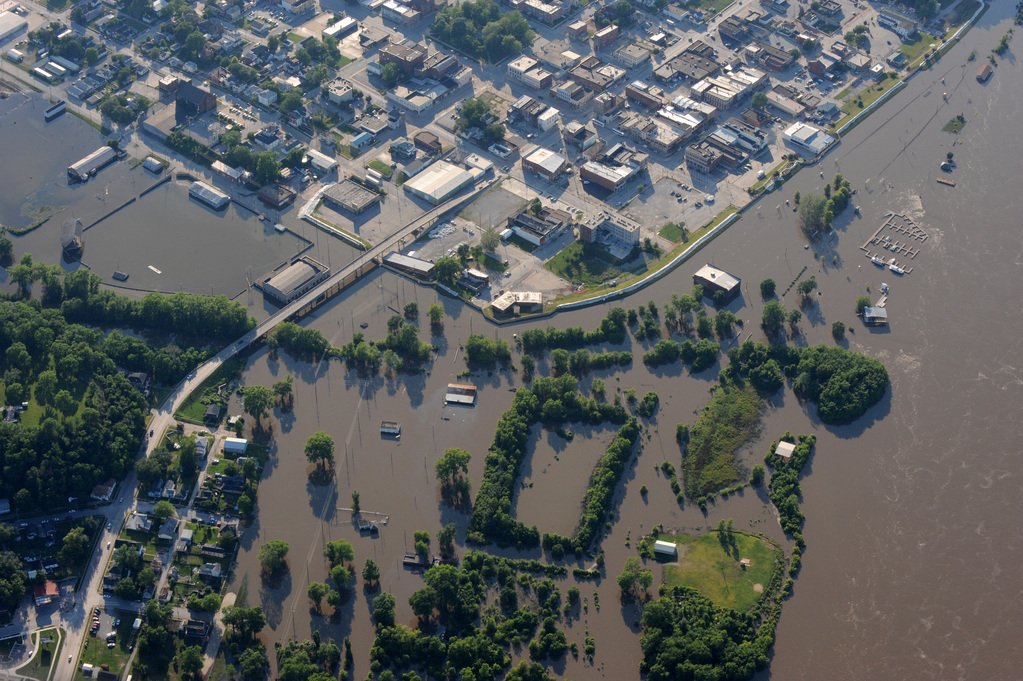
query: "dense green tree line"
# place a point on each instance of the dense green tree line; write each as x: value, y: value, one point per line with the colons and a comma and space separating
x: 307, y: 344
x: 784, y: 486
x: 186, y: 314
x: 476, y: 643
x: 402, y: 350
x: 699, y: 355
x: 843, y: 384
x: 483, y: 353
x: 599, y: 494
x: 552, y: 401
x: 686, y: 637
x: 66, y: 457
x: 611, y: 330
x: 478, y: 28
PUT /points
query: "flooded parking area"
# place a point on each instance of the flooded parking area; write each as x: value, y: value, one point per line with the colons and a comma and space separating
x: 168, y: 241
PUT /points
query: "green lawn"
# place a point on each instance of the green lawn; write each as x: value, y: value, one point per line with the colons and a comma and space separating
x: 492, y: 263
x: 294, y: 37
x: 728, y: 422
x: 956, y: 125
x: 706, y: 566
x: 193, y: 409
x: 381, y: 167
x: 39, y: 667
x: 584, y: 263
x: 672, y: 232
x: 867, y: 97
x: 842, y: 94
x: 918, y: 47
x: 655, y: 266
x: 714, y: 5
x: 97, y: 654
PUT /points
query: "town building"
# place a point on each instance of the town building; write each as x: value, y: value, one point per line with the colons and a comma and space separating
x: 538, y: 229
x: 616, y: 232
x: 406, y: 57
x: 734, y: 29
x: 546, y: 12
x: 46, y: 593
x: 402, y: 149
x: 517, y: 302
x: 730, y: 88
x: 276, y: 195
x: 571, y: 93
x: 767, y: 56
x: 650, y: 96
x: 290, y: 283
x: 655, y: 133
x: 439, y: 182
x: 632, y: 55
x: 341, y: 29
x: 545, y: 163
x: 340, y: 91
x: 713, y: 280
x: 785, y: 450
x: 410, y: 265
x: 807, y: 138
x: 899, y: 24
x: 614, y: 167
x: 191, y: 101
x: 605, y: 36
x: 351, y: 197
x: 593, y: 74
x: 428, y: 142
x: 399, y: 13
x: 580, y: 136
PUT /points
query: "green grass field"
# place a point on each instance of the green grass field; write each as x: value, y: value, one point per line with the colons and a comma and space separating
x: 192, y: 409
x: 40, y: 666
x: 97, y: 654
x: 380, y: 167
x: 583, y: 263
x: 706, y: 566
x: 672, y: 232
x: 728, y: 422
x: 918, y: 47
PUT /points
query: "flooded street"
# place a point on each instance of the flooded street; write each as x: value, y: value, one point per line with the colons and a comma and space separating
x: 910, y: 570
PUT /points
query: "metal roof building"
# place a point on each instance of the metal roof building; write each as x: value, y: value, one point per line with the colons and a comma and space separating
x: 713, y: 280
x: 405, y: 263
x: 439, y: 182
x: 291, y: 282
x: 320, y: 161
x: 91, y: 163
x: 10, y: 24
x: 351, y: 196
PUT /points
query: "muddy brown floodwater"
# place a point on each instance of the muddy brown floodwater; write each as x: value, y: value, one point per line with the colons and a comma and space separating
x: 913, y: 542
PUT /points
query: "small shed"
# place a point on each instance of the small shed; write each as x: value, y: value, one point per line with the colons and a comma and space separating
x: 744, y: 563
x: 665, y: 548
x: 875, y: 316
x: 785, y: 450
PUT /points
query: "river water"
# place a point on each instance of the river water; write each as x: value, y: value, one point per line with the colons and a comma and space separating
x: 913, y: 546
x: 911, y: 567
x: 910, y: 570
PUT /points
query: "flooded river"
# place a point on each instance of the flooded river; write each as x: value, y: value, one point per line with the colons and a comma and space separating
x: 910, y: 570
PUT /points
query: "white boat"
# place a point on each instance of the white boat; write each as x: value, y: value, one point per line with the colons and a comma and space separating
x: 877, y: 261
x: 896, y: 269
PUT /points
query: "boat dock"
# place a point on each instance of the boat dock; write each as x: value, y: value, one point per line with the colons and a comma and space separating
x: 942, y: 180
x: 905, y: 239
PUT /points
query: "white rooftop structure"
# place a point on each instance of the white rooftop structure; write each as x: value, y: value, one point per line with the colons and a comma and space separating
x: 807, y: 137
x: 665, y: 548
x: 439, y: 182
x: 785, y: 450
